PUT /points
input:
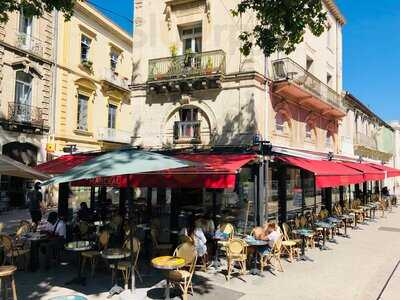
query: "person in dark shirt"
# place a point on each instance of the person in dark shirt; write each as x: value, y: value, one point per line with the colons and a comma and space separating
x: 84, y: 213
x: 35, y: 199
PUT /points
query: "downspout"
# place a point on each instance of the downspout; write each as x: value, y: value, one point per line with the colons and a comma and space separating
x: 54, y: 73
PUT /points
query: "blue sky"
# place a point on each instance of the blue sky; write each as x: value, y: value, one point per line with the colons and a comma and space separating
x: 371, y: 54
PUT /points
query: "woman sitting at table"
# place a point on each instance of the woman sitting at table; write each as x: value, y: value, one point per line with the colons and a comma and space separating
x: 57, y: 236
x: 268, y: 233
x: 195, y: 232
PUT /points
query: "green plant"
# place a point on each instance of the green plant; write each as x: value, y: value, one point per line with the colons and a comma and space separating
x: 173, y: 50
x: 209, y: 63
x: 87, y: 64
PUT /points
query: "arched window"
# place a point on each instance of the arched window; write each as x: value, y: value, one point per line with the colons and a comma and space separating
x: 23, y: 88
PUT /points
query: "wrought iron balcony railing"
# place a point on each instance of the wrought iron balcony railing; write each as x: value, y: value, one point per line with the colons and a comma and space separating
x: 24, y: 114
x: 187, y: 132
x: 187, y: 66
x: 286, y: 69
x: 113, y: 135
x: 111, y: 77
x: 29, y: 43
x: 361, y: 139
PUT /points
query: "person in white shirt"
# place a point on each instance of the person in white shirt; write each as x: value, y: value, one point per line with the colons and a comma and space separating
x: 271, y: 235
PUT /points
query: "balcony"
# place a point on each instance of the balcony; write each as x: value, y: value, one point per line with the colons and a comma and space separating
x: 113, y: 135
x: 29, y: 43
x: 291, y: 81
x: 23, y: 118
x: 187, y: 132
x: 361, y: 139
x: 113, y: 81
x: 185, y: 72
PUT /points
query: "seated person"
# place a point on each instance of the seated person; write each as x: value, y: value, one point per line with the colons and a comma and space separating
x: 196, y: 233
x: 57, y: 237
x: 84, y: 213
x: 270, y: 234
x: 208, y: 226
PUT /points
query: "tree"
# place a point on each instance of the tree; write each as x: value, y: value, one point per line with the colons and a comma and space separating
x: 280, y: 24
x: 36, y: 7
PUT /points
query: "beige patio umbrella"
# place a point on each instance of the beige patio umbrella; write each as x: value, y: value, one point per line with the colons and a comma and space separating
x: 11, y: 167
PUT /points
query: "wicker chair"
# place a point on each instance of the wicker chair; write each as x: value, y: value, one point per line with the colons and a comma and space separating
x: 236, y: 251
x: 289, y: 246
x: 274, y: 254
x: 229, y: 230
x: 182, y: 277
x: 92, y: 255
x: 126, y: 266
x: 13, y: 252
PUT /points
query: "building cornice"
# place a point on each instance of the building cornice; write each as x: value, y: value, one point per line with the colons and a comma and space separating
x: 335, y: 11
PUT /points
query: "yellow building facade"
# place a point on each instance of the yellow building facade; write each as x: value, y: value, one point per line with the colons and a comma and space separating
x: 94, y: 66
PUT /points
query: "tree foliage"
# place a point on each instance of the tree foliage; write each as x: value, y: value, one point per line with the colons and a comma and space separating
x: 35, y: 7
x: 281, y: 24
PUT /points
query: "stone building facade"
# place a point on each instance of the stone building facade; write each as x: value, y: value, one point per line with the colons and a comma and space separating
x: 26, y: 92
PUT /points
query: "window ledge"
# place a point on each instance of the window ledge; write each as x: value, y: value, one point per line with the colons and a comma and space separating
x: 83, y: 132
x: 281, y: 134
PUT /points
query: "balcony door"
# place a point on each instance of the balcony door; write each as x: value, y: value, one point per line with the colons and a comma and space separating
x: 192, y: 39
x: 25, y: 29
x: 23, y: 97
x: 188, y: 125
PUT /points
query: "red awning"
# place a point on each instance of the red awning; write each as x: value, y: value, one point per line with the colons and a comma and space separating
x: 327, y: 173
x: 390, y: 172
x: 216, y: 171
x: 64, y: 163
x: 370, y: 173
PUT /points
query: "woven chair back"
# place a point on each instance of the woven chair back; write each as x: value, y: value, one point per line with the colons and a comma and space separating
x: 7, y: 243
x: 187, y: 251
x: 104, y: 238
x: 228, y: 229
x: 236, y: 246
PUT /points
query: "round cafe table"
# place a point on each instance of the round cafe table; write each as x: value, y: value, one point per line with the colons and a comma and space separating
x: 346, y: 218
x: 115, y: 255
x: 256, y: 244
x: 167, y: 263
x: 304, y: 233
x: 78, y: 247
x: 334, y: 222
x: 325, y: 226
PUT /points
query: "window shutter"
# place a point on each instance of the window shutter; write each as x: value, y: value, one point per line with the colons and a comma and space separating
x: 176, y: 130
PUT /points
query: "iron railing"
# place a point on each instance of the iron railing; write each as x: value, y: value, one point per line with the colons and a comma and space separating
x: 188, y: 65
x: 116, y: 80
x: 187, y: 131
x: 113, y: 135
x: 29, y: 43
x: 286, y: 69
x: 361, y: 139
x: 24, y: 114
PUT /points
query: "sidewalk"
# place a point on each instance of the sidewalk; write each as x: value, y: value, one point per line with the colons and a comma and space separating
x: 355, y: 269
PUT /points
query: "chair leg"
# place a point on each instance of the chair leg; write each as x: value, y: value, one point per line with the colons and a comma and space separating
x: 138, y: 274
x: 14, y: 290
x: 93, y: 265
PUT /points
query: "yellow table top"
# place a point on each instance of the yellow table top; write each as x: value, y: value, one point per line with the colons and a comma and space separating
x: 167, y: 262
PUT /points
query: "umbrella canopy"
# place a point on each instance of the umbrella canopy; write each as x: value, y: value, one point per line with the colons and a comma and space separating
x: 121, y: 162
x: 11, y: 167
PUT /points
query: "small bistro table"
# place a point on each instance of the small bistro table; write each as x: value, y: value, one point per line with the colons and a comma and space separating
x: 115, y: 254
x: 325, y: 226
x: 304, y: 233
x: 256, y: 244
x: 334, y: 221
x: 167, y: 263
x: 78, y: 247
x: 346, y: 219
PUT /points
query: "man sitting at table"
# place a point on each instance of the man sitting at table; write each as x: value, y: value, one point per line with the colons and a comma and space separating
x: 57, y: 236
x: 84, y: 213
x: 268, y: 233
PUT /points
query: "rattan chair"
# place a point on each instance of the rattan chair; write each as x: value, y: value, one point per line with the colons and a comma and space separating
x: 126, y: 266
x: 93, y: 255
x: 274, y: 254
x: 236, y: 251
x: 229, y: 230
x: 182, y: 277
x: 13, y: 252
x: 7, y: 273
x: 289, y: 246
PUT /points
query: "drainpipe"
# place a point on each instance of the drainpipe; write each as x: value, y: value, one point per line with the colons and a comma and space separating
x: 54, y: 74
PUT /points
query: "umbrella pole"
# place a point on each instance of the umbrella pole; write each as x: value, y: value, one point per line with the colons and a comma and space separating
x: 130, y: 214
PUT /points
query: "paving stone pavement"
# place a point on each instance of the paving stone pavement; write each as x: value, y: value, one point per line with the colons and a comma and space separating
x: 358, y: 268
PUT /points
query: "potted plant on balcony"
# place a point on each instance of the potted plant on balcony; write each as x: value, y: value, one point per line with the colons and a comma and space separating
x: 174, y: 66
x: 87, y: 64
x: 209, y: 66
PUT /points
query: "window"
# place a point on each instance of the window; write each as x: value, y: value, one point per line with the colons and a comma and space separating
x: 188, y: 127
x: 113, y: 60
x: 83, y: 102
x: 308, y: 132
x: 23, y: 88
x: 85, y: 47
x: 279, y: 123
x: 329, y: 79
x: 328, y: 139
x: 188, y: 114
x: 25, y: 29
x: 192, y: 39
x: 112, y: 116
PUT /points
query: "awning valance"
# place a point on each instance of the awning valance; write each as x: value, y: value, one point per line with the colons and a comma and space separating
x: 370, y: 173
x: 215, y: 171
x: 327, y: 173
x: 390, y: 172
x: 64, y: 163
